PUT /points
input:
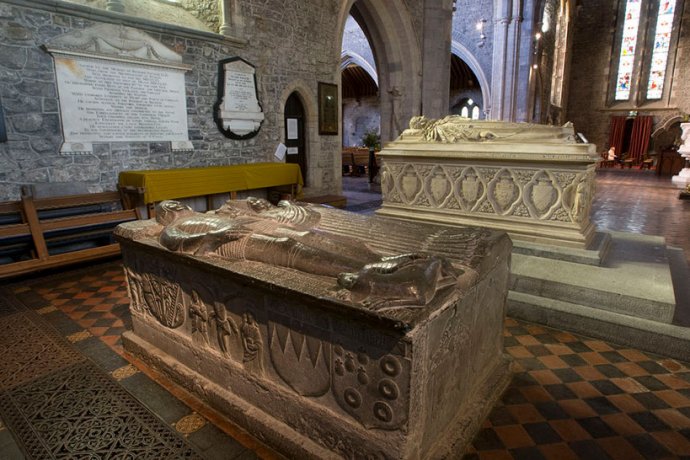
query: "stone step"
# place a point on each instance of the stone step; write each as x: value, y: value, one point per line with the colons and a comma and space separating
x: 652, y: 336
x: 680, y: 273
x: 635, y: 280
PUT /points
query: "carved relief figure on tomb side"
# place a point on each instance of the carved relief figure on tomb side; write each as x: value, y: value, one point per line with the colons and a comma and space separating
x: 199, y: 318
x: 225, y: 327
x: 579, y: 198
x: 288, y: 236
x: 251, y: 343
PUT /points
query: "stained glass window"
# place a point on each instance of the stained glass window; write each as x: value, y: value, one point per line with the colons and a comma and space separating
x: 662, y: 39
x: 626, y: 59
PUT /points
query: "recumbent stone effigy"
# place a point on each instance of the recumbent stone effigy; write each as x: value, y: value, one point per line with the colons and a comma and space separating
x: 322, y: 332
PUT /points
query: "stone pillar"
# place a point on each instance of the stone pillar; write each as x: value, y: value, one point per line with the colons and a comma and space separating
x: 683, y: 177
x: 513, y: 27
x: 498, y: 68
x: 506, y: 60
x: 115, y: 5
x: 438, y: 17
x: 231, y: 24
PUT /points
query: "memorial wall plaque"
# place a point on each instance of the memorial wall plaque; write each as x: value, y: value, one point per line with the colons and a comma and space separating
x: 117, y: 84
x: 238, y: 113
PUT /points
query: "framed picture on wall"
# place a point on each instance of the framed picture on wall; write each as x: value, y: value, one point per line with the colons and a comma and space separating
x: 328, y: 108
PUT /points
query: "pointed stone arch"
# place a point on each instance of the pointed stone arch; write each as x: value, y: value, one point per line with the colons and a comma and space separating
x: 348, y: 57
x: 395, y: 45
x: 466, y: 55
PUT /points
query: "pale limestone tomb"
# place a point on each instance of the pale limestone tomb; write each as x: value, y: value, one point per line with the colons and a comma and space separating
x: 322, y: 366
x: 534, y: 181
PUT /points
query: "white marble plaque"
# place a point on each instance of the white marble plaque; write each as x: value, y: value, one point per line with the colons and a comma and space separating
x: 239, y: 112
x: 104, y: 101
x: 117, y: 84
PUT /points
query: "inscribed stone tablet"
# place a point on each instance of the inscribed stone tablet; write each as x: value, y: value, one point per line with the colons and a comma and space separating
x: 109, y: 101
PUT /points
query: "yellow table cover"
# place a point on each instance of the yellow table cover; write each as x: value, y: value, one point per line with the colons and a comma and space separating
x: 167, y: 184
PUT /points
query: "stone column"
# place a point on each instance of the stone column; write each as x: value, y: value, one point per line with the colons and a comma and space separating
x: 502, y: 82
x: 511, y: 59
x: 438, y: 16
x: 683, y: 177
x: 231, y: 24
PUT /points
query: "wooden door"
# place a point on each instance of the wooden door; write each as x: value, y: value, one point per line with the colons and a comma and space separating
x: 294, y: 134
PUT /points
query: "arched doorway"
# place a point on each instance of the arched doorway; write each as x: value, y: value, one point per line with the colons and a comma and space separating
x: 388, y: 28
x: 294, y: 133
x: 466, y: 97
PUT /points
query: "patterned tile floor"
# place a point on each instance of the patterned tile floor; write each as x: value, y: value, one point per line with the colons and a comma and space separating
x: 89, y: 307
x: 571, y: 397
x: 574, y: 397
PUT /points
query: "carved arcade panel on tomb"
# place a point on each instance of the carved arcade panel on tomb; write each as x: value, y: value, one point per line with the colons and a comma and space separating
x: 534, y: 194
x: 356, y: 372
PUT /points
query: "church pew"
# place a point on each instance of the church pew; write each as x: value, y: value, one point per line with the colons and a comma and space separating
x: 41, y: 233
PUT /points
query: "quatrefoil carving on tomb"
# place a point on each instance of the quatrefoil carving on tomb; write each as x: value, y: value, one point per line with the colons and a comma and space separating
x: 503, y: 192
x: 542, y: 195
x: 438, y: 187
x: 389, y: 176
x: 409, y: 184
x: 470, y: 189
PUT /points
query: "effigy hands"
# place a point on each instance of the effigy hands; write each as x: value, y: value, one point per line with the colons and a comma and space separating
x: 404, y: 280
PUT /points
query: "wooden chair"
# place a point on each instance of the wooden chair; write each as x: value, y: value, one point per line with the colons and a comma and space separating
x: 647, y: 162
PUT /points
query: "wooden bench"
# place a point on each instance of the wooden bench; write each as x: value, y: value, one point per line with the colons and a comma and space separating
x: 356, y: 161
x: 41, y: 233
x: 348, y: 161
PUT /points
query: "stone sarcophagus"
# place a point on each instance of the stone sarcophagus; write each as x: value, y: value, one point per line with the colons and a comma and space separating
x: 534, y: 181
x: 324, y: 333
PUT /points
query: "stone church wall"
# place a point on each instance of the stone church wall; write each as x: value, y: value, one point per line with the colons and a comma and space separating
x: 359, y: 117
x: 467, y: 14
x: 285, y: 40
x: 594, y: 33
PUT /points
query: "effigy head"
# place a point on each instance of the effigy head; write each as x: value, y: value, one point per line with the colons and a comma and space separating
x: 259, y: 204
x: 169, y: 211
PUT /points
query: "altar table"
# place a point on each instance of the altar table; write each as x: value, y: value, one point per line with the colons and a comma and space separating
x: 169, y: 184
